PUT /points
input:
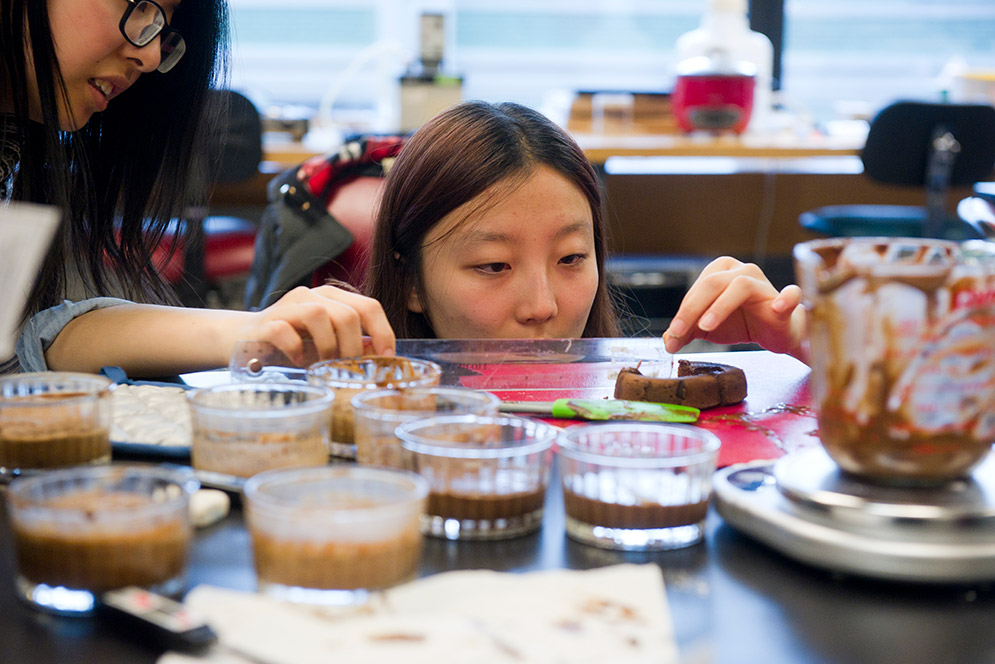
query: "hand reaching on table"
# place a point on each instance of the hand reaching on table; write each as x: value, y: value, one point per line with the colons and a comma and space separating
x: 734, y: 302
x: 155, y: 340
x: 334, y: 318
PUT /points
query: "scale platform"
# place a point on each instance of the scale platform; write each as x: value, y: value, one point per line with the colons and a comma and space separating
x: 803, y: 506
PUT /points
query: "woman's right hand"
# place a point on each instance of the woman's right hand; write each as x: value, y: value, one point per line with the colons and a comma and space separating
x: 335, y: 319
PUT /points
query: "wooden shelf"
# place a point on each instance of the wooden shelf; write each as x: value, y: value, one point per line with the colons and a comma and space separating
x: 598, y: 148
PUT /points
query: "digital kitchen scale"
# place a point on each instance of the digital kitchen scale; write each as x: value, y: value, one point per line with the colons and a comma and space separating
x: 803, y: 506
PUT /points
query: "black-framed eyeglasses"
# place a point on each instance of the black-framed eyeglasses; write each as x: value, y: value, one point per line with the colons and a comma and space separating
x: 143, y: 21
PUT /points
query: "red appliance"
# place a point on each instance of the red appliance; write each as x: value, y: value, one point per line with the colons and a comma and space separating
x: 713, y: 94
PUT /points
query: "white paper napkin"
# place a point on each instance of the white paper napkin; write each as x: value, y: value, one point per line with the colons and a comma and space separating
x: 615, y: 614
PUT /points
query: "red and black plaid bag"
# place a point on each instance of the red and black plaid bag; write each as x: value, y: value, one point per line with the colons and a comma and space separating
x: 319, y: 220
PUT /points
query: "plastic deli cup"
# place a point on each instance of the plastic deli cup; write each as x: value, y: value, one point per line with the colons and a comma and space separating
x: 245, y: 428
x: 349, y: 376
x: 82, y: 531
x: 379, y: 413
x: 636, y: 486
x: 330, y: 535
x: 54, y: 419
x: 488, y: 475
x: 903, y: 354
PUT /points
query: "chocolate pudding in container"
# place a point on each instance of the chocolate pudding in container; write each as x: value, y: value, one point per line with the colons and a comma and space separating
x: 488, y: 475
x: 349, y: 376
x: 81, y: 531
x: 54, y: 419
x: 902, y: 335
x: 245, y: 428
x: 330, y: 535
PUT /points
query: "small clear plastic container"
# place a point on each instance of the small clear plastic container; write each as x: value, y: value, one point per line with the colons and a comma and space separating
x: 52, y: 419
x: 81, y: 531
x: 488, y: 475
x: 330, y: 535
x: 636, y: 486
x: 245, y: 428
x: 379, y: 413
x: 349, y: 376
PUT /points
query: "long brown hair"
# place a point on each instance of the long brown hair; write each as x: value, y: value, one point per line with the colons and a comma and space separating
x: 455, y: 157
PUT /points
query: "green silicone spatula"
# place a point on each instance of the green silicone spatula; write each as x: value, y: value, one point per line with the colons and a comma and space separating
x: 604, y: 409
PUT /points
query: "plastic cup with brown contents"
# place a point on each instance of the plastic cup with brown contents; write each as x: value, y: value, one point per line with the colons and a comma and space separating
x: 349, y: 376
x: 379, y: 413
x: 902, y: 337
x: 331, y: 535
x: 245, y: 428
x: 488, y: 475
x: 54, y: 419
x: 82, y: 531
x: 636, y: 486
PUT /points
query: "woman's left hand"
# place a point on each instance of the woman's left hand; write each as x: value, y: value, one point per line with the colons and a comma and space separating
x: 734, y: 302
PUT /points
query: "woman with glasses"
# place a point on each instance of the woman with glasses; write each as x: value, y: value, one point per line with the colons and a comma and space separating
x: 104, y: 114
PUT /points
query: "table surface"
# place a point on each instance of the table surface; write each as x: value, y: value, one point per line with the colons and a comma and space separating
x: 732, y: 599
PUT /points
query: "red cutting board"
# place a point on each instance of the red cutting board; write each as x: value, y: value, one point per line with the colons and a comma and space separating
x: 776, y: 417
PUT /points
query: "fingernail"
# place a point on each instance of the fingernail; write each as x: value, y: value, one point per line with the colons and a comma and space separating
x: 678, y: 328
x: 779, y: 305
x: 708, y: 322
x: 671, y: 344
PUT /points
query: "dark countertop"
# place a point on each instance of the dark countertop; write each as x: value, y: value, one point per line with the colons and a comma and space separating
x: 732, y: 601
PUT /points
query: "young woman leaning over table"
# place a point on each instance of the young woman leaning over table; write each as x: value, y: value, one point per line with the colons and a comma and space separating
x: 103, y: 114
x: 491, y: 226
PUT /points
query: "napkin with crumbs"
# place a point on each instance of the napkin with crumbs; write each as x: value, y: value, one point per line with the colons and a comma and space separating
x: 614, y: 614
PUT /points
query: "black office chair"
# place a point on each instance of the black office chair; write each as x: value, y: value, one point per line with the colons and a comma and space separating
x: 219, y: 248
x: 917, y: 144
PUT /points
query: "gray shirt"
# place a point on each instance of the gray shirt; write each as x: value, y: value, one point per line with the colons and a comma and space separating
x: 42, y: 329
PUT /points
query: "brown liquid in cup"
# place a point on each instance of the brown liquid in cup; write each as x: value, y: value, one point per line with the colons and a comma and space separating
x: 104, y: 556
x: 23, y: 445
x: 52, y: 436
x: 485, y: 506
x: 641, y: 516
x: 343, y: 565
x: 245, y: 456
x: 391, y: 371
x: 871, y: 450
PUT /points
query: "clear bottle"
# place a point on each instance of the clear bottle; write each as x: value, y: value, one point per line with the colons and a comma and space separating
x: 725, y: 27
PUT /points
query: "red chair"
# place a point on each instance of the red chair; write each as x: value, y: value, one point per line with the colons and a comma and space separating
x: 354, y: 206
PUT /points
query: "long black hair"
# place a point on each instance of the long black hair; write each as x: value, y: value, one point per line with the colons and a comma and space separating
x: 121, y: 178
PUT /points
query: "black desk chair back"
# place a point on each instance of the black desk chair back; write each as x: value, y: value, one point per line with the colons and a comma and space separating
x: 220, y: 247
x: 241, y: 146
x: 917, y: 144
